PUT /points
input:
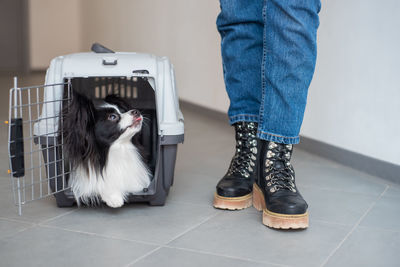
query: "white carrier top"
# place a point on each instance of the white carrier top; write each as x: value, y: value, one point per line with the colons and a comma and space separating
x: 160, y: 75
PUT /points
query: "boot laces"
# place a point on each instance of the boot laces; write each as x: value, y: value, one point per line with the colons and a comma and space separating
x: 243, y: 162
x: 279, y: 171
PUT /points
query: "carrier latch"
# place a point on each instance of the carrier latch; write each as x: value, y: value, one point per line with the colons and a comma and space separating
x: 110, y: 61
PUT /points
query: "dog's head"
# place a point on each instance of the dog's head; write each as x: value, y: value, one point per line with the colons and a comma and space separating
x: 115, y: 121
x: 91, y: 127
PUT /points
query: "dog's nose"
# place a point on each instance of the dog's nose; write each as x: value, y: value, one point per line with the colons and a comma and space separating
x: 135, y: 112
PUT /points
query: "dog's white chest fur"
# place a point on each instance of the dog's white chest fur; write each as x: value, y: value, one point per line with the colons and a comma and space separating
x: 124, y: 173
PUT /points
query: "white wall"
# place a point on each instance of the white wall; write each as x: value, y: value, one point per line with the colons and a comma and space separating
x: 54, y: 29
x: 354, y: 99
x: 183, y: 30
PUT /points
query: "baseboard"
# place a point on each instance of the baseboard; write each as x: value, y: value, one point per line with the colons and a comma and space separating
x: 369, y: 165
x: 376, y: 167
x: 207, y: 112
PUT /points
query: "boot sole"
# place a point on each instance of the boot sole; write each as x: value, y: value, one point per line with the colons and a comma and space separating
x: 277, y: 220
x: 232, y: 203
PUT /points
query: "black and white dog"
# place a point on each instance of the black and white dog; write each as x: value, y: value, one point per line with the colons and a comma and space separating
x: 97, y: 139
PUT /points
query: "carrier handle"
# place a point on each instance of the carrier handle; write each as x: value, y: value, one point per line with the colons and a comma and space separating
x: 17, y: 148
x: 98, y: 48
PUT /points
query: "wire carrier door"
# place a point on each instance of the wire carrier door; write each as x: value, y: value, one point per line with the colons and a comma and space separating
x: 37, y: 165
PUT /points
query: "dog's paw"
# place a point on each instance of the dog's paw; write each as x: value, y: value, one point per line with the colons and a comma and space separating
x: 114, y: 201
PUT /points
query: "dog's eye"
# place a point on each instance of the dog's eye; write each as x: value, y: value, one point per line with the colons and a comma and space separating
x: 112, y: 117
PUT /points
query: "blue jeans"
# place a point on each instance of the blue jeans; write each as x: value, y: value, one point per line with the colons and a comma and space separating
x: 269, y: 52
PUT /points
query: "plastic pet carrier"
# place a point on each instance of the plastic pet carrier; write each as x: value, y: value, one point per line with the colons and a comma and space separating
x: 37, y: 164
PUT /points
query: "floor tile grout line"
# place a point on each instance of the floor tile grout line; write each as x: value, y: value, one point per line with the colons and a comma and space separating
x: 193, y: 227
x: 205, y: 205
x: 354, y: 227
x: 336, y: 164
x: 204, y: 252
x: 190, y: 203
x: 332, y: 223
x: 158, y: 245
x: 142, y: 257
x: 391, y: 187
x: 371, y: 178
x: 29, y: 226
x: 22, y: 230
x: 148, y: 243
x: 337, y: 190
x: 225, y: 256
x: 100, y: 235
x: 36, y: 223
x: 18, y: 232
x: 58, y: 216
x: 125, y: 239
x: 16, y: 220
x: 379, y: 229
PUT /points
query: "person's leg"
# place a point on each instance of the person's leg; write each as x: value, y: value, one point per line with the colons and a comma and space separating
x: 241, y: 25
x: 287, y: 69
x: 290, y: 52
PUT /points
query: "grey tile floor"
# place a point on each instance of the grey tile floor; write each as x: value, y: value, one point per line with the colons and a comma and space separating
x: 354, y: 217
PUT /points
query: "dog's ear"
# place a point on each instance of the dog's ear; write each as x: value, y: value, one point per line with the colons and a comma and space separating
x: 118, y: 101
x: 78, y: 129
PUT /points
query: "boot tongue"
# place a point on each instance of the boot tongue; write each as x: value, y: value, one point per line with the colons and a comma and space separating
x: 246, y: 149
x: 279, y: 165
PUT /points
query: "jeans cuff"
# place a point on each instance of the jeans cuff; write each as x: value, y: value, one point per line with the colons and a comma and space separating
x: 243, y: 117
x: 278, y: 138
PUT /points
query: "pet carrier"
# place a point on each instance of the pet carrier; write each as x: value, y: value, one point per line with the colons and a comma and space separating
x: 37, y: 164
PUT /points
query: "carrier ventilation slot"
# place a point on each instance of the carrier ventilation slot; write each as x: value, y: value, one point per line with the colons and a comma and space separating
x: 126, y: 87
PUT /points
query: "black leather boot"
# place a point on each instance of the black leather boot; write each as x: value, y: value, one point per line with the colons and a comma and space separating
x: 275, y: 192
x: 234, y: 190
